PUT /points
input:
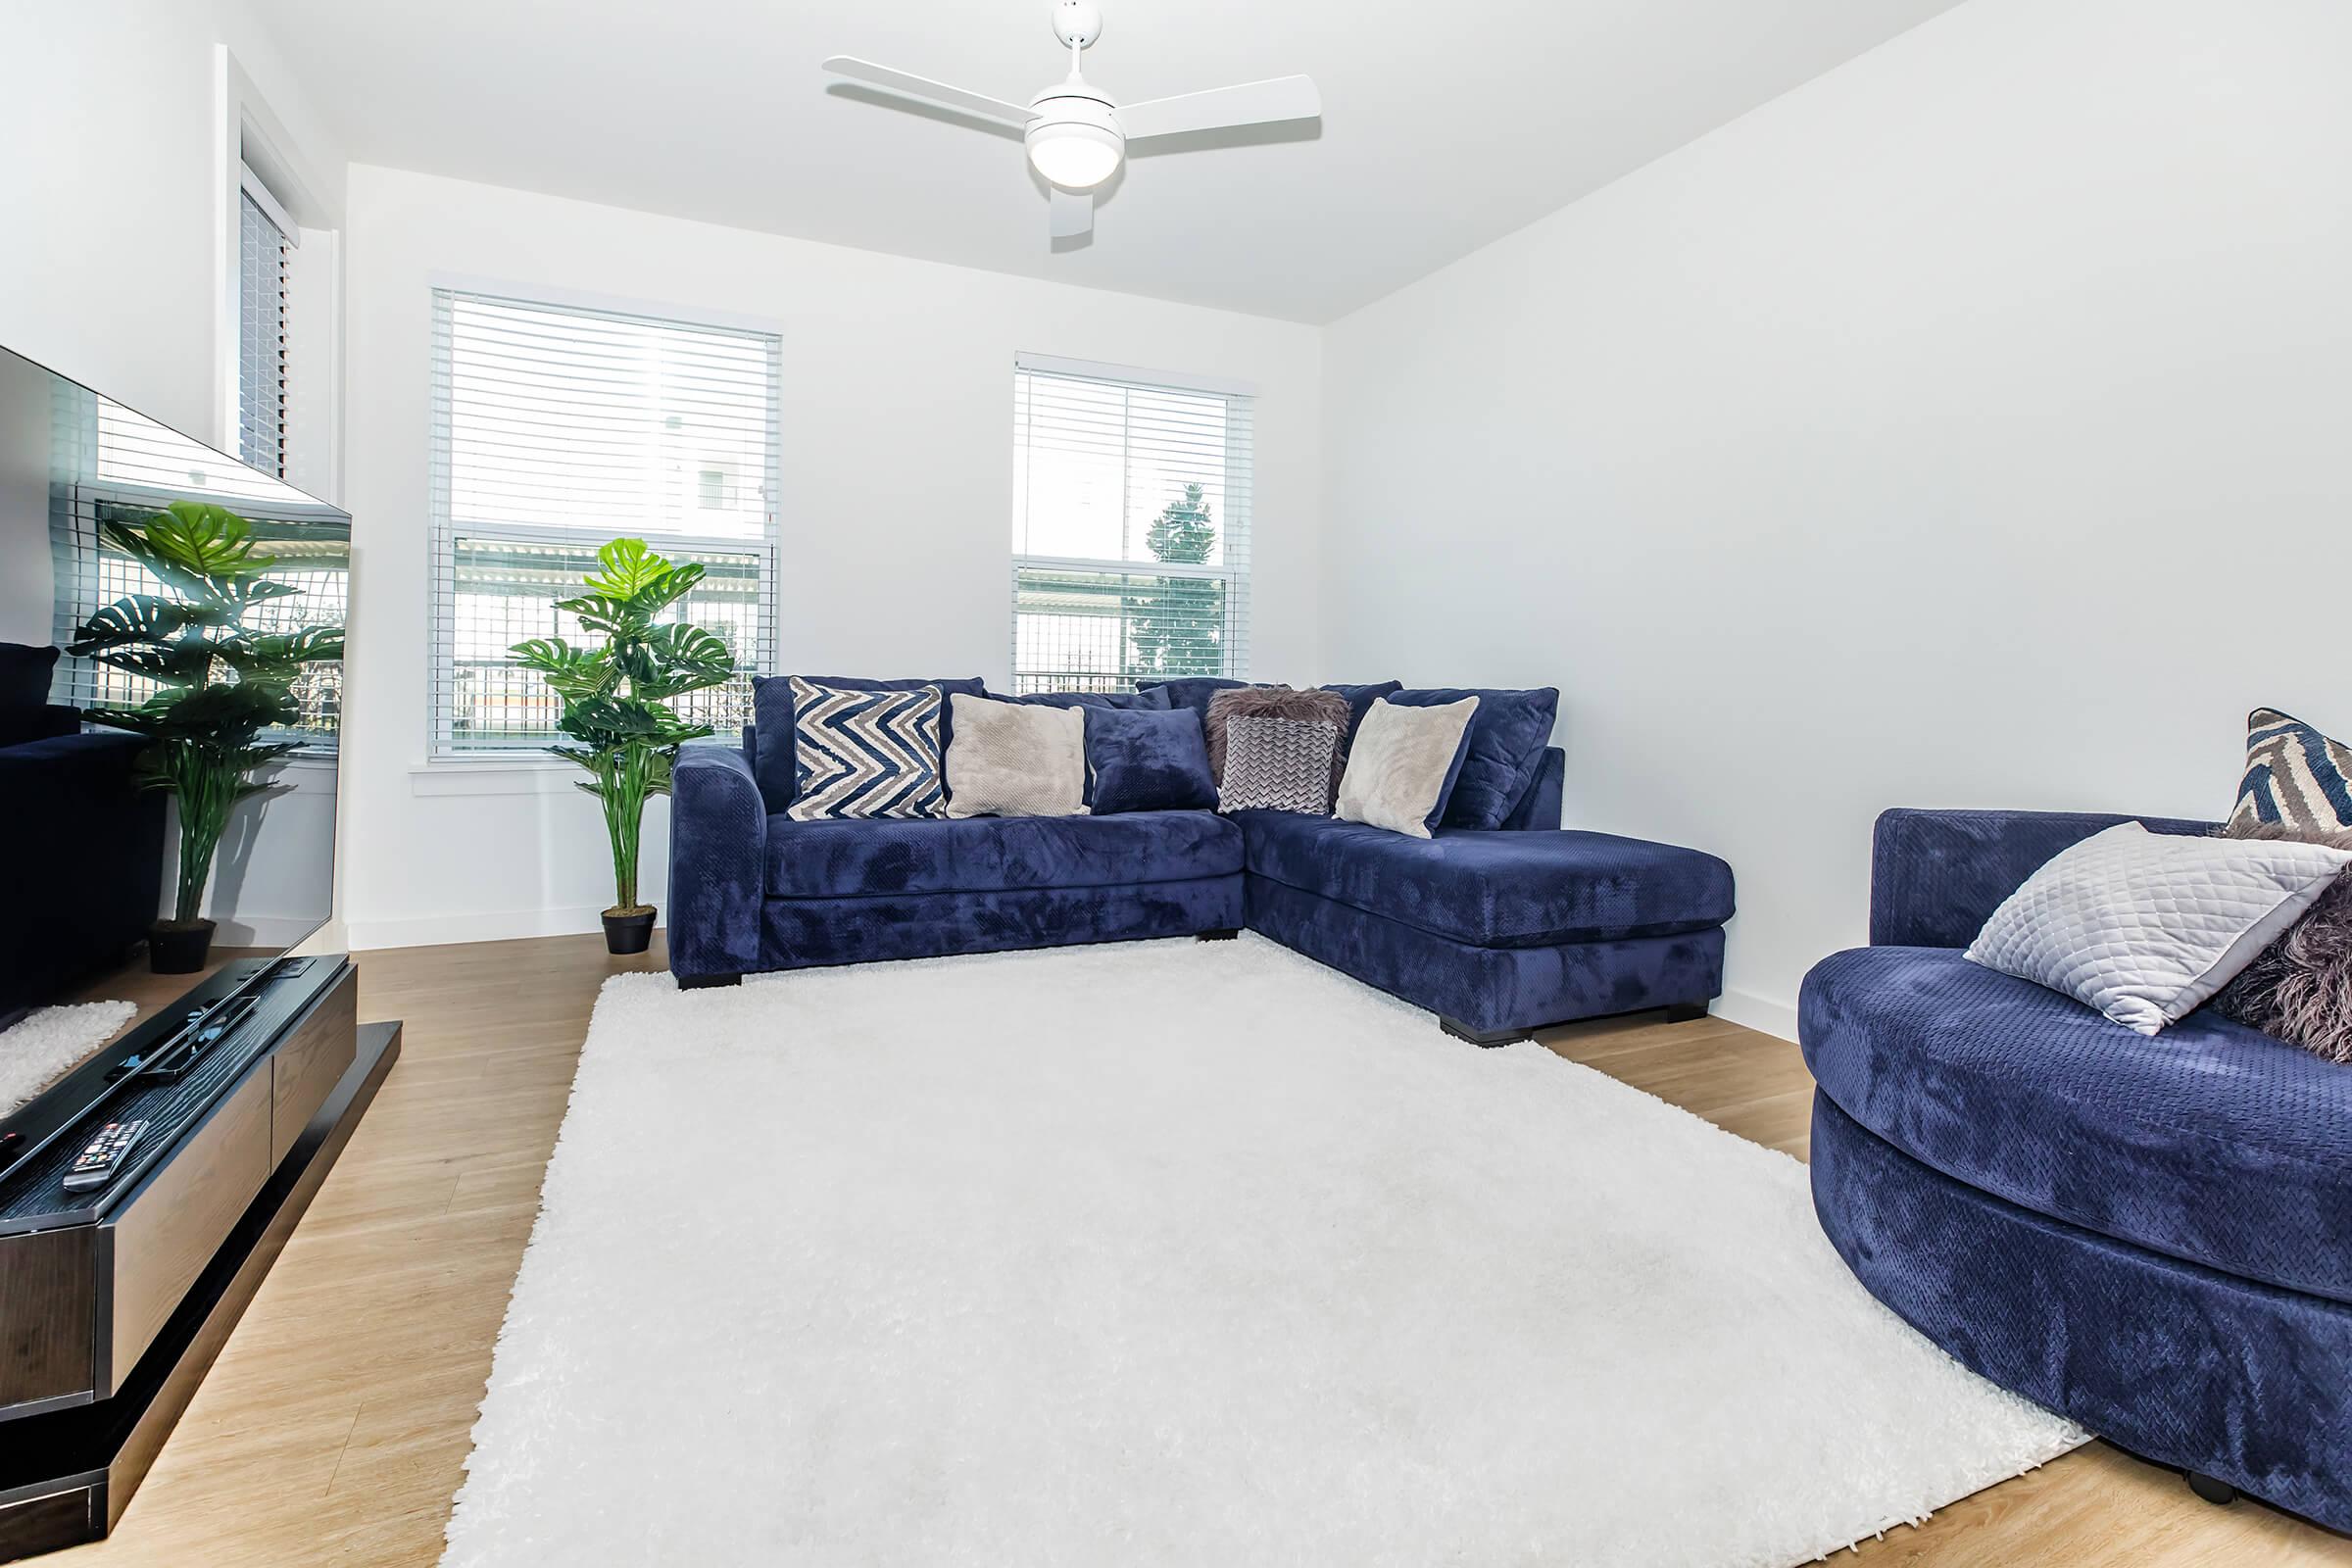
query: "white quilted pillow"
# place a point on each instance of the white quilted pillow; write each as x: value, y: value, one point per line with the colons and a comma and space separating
x: 2146, y: 926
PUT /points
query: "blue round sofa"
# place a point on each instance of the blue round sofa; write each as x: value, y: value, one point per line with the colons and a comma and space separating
x: 2150, y: 1236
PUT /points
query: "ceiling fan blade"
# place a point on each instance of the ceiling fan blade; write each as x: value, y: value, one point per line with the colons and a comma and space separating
x: 1252, y: 103
x: 1073, y: 213
x: 938, y: 92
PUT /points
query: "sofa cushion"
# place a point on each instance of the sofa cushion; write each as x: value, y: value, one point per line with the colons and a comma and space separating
x: 1495, y: 890
x: 773, y: 762
x: 1154, y: 701
x: 1016, y: 759
x: 1280, y: 701
x: 2294, y: 775
x: 1277, y: 765
x: 1361, y: 699
x: 2211, y: 1141
x: 996, y: 854
x: 1142, y: 760
x: 1402, y: 766
x: 1507, y: 737
x: 864, y: 752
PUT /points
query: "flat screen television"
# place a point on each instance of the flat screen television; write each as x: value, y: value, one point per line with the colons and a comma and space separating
x: 170, y: 680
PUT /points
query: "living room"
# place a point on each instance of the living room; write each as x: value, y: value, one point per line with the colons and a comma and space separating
x: 1476, y: 803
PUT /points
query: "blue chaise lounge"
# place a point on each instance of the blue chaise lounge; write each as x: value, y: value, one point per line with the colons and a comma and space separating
x: 1497, y: 932
x: 2152, y: 1236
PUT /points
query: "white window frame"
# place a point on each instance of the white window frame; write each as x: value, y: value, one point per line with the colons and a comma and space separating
x: 442, y: 757
x: 249, y: 137
x: 1239, y: 526
x: 253, y: 299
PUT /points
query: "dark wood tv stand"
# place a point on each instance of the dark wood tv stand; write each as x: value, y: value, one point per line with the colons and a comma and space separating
x: 114, y: 1303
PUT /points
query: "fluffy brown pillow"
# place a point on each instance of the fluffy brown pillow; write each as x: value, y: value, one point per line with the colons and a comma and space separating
x: 1275, y: 702
x: 2299, y: 989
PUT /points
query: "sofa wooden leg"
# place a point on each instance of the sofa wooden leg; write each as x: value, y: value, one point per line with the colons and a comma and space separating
x: 1226, y: 934
x: 1485, y: 1039
x: 1686, y: 1011
x: 702, y: 982
x: 2212, y: 1488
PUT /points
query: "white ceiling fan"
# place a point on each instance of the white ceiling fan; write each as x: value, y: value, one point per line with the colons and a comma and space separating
x: 1077, y: 134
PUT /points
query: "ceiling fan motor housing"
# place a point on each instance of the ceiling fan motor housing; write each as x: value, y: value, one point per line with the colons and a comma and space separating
x: 1077, y: 23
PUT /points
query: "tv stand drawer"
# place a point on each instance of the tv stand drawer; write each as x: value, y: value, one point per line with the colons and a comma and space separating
x: 160, y: 1240
x: 308, y: 1064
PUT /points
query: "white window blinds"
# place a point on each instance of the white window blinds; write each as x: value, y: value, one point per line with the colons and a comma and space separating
x: 1130, y: 529
x: 558, y: 428
x: 264, y: 245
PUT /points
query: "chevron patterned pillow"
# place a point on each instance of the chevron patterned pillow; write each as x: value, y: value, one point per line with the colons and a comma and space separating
x: 864, y: 753
x: 1278, y: 765
x: 2295, y: 776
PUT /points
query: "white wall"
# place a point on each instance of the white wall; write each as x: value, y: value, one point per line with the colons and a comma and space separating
x: 116, y: 117
x: 1965, y: 428
x: 897, y: 471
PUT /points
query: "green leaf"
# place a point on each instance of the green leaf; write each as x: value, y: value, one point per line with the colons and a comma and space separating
x: 615, y: 617
x: 224, y: 719
x: 142, y: 618
x: 576, y: 673
x: 679, y: 658
x: 198, y: 549
x: 630, y: 570
x: 278, y: 657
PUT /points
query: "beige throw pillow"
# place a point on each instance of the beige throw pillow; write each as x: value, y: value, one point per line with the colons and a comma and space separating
x: 1397, y: 765
x: 1015, y: 760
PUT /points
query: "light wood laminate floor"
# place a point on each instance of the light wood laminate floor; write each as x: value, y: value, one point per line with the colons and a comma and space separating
x: 333, y: 1430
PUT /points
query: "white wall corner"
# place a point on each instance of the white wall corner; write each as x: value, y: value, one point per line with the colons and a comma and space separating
x: 1750, y: 1010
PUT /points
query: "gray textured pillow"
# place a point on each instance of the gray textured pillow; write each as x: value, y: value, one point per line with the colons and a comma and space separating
x: 2299, y: 990
x: 1400, y: 763
x: 1278, y: 701
x: 1015, y: 760
x: 2146, y: 926
x: 1277, y: 765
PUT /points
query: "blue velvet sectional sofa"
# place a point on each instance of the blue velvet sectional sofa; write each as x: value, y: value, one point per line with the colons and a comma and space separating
x: 2151, y: 1235
x: 1497, y: 931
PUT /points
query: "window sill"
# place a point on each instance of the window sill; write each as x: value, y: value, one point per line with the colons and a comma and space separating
x: 494, y: 775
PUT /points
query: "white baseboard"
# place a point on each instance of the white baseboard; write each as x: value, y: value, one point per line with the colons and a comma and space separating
x: 1758, y: 1012
x: 496, y: 925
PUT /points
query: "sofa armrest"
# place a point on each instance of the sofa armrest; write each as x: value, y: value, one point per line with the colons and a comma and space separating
x: 718, y: 863
x: 1936, y: 876
x: 1540, y: 806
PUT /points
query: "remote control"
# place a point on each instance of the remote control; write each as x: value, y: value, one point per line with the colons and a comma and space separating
x: 100, y: 1157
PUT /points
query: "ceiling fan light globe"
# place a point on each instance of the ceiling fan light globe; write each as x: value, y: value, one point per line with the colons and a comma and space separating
x: 1074, y: 155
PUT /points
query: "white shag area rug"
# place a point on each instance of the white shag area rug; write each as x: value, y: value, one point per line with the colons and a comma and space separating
x: 1177, y: 1253
x: 47, y: 1042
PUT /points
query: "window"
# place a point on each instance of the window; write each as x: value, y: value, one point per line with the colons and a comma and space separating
x: 1130, y: 527
x: 265, y: 240
x: 558, y: 428
x: 110, y: 464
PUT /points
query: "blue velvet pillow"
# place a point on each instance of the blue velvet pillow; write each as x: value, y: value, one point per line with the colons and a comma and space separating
x: 1155, y: 699
x: 1191, y: 690
x: 774, y: 766
x: 1501, y: 754
x: 1148, y: 760
x: 1359, y: 703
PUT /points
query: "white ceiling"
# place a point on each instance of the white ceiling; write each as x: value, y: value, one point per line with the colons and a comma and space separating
x: 1443, y: 126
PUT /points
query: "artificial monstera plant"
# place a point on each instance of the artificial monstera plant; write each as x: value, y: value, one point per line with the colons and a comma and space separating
x: 220, y: 685
x: 617, y: 719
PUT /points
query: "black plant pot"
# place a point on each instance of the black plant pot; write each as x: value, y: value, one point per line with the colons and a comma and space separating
x: 628, y: 933
x: 174, y: 946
